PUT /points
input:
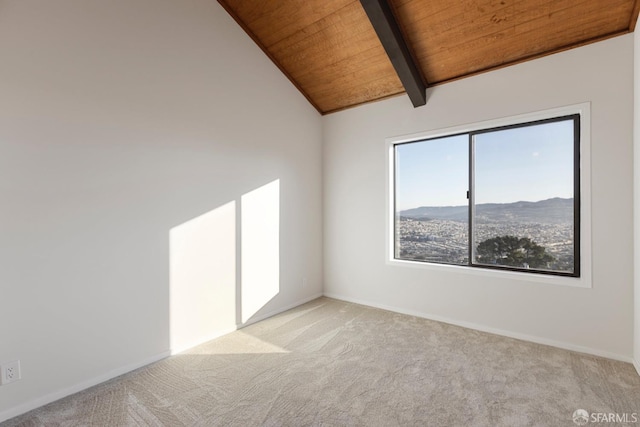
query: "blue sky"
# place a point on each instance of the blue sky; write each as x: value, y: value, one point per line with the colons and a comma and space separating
x: 530, y: 163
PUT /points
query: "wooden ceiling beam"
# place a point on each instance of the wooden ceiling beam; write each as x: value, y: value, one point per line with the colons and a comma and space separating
x: 388, y: 31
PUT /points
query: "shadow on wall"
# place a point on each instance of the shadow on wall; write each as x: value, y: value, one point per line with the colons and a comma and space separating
x: 224, y: 267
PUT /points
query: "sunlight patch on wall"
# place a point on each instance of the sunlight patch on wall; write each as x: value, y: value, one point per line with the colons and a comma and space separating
x: 203, y: 278
x: 260, y: 248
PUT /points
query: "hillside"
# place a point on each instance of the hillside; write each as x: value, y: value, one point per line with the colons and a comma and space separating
x: 550, y: 211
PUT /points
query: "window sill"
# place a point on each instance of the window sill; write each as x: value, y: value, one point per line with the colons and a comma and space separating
x: 576, y: 282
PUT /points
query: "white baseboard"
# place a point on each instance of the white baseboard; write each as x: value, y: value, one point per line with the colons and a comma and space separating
x: 52, y: 397
x: 496, y: 331
x: 251, y: 321
x: 213, y: 336
x: 636, y: 365
x: 280, y: 310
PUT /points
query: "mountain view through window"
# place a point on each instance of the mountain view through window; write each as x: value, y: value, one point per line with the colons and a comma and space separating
x: 497, y: 198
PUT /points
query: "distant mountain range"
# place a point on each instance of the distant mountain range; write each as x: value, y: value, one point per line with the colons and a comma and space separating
x: 550, y: 211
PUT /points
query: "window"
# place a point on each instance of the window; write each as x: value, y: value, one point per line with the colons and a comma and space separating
x: 503, y: 197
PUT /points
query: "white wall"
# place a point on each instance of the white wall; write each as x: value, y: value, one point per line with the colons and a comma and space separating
x: 121, y: 121
x: 636, y: 190
x: 597, y: 319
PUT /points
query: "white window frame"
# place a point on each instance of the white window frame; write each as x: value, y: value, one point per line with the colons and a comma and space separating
x: 585, y: 279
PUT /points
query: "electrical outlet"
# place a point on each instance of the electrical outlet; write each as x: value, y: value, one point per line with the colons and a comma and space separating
x: 10, y: 372
x: 304, y: 282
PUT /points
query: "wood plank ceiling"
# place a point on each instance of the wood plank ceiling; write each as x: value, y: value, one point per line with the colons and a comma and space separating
x: 331, y: 53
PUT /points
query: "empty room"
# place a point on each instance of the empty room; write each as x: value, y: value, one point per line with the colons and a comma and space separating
x: 319, y: 213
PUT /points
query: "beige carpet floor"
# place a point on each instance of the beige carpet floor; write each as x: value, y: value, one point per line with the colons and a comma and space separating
x: 332, y: 363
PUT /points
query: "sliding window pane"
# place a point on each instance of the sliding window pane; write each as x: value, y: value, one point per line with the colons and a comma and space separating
x: 431, y: 211
x: 523, y: 203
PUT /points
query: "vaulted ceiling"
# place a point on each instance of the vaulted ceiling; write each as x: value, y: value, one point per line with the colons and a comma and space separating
x: 332, y: 54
